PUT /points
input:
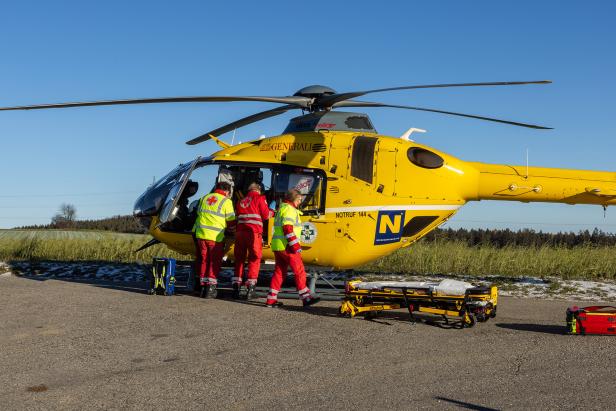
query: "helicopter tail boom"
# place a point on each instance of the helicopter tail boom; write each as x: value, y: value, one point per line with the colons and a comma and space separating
x: 537, y: 184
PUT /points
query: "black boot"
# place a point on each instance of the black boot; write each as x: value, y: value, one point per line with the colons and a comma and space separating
x: 236, y: 291
x: 209, y: 291
x: 277, y: 304
x: 311, y: 301
x: 250, y: 292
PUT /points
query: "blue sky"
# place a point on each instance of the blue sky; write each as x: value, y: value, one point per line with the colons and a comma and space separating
x: 101, y: 159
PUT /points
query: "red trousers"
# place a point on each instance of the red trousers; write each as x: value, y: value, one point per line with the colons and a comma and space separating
x: 247, y: 242
x: 209, y: 260
x: 283, y: 261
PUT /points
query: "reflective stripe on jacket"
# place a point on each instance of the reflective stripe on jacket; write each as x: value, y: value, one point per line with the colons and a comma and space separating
x: 252, y: 210
x: 286, y: 215
x: 212, y: 215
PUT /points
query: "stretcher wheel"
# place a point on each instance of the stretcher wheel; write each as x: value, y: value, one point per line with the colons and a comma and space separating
x: 482, y: 317
x: 493, y: 313
x: 469, y: 320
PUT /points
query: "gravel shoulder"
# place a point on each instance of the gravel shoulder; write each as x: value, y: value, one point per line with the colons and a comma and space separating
x: 72, y: 345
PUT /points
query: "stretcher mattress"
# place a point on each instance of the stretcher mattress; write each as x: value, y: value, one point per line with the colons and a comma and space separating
x: 447, y: 287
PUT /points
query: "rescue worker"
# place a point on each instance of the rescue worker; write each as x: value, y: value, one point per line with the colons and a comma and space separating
x: 214, y: 215
x: 287, y: 251
x: 252, y: 211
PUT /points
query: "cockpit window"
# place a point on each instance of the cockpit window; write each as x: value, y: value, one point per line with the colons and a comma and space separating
x: 307, y: 182
x: 150, y: 202
x: 359, y: 123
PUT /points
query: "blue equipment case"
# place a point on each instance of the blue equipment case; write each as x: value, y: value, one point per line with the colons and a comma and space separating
x: 162, y: 277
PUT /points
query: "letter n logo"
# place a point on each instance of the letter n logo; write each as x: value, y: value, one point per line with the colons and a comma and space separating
x: 389, y: 227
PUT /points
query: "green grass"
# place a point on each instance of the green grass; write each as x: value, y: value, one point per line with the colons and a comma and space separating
x: 422, y: 258
x: 64, y: 245
x: 457, y: 258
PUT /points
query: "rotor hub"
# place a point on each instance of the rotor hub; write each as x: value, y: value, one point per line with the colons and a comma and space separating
x: 315, y: 91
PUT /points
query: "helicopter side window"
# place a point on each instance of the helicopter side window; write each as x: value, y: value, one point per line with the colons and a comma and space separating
x: 424, y: 158
x: 362, y: 158
x: 308, y: 182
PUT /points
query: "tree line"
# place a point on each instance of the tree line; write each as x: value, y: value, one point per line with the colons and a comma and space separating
x: 472, y: 237
x: 524, y: 237
x: 119, y: 224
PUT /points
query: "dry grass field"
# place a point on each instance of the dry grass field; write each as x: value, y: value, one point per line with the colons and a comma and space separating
x: 423, y: 258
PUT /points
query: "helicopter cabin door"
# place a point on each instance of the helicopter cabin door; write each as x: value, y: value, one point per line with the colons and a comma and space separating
x: 386, y: 167
x: 169, y: 209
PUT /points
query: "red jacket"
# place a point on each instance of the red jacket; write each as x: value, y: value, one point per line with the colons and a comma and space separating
x: 251, y: 211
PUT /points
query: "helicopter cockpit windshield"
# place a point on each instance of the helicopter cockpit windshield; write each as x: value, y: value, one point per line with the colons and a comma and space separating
x: 151, y: 200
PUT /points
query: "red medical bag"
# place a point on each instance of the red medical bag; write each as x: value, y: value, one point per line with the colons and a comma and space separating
x: 596, y: 319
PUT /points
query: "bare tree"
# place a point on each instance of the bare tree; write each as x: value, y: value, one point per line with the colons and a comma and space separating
x: 65, y: 217
x: 68, y: 211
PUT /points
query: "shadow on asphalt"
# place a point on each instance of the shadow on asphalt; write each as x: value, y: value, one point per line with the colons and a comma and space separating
x: 466, y: 405
x: 130, y: 277
x: 536, y: 328
x: 384, y: 318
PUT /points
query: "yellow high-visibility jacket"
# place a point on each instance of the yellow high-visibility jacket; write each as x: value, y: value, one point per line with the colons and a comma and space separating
x: 214, y: 212
x: 286, y: 215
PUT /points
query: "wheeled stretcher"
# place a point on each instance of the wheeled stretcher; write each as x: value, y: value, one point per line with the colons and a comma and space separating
x: 454, y: 300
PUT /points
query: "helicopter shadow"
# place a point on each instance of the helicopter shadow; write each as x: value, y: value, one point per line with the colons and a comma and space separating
x: 535, y: 328
x: 123, y: 277
x: 385, y: 318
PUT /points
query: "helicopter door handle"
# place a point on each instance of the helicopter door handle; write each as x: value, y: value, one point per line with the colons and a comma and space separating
x: 323, y: 221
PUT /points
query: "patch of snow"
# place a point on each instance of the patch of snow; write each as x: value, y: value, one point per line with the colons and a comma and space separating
x: 551, y: 288
x: 5, y: 270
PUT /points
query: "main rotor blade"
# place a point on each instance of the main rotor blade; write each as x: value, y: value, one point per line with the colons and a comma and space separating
x: 329, y: 101
x: 369, y: 104
x: 295, y: 100
x: 241, y: 122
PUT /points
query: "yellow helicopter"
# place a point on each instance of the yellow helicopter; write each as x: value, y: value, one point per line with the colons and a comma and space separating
x: 365, y: 194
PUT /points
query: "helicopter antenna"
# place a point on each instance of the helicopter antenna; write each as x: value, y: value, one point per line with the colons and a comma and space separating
x: 410, y: 131
x: 526, y: 163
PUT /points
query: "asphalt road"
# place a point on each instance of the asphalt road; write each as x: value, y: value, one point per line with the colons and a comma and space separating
x: 68, y: 345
